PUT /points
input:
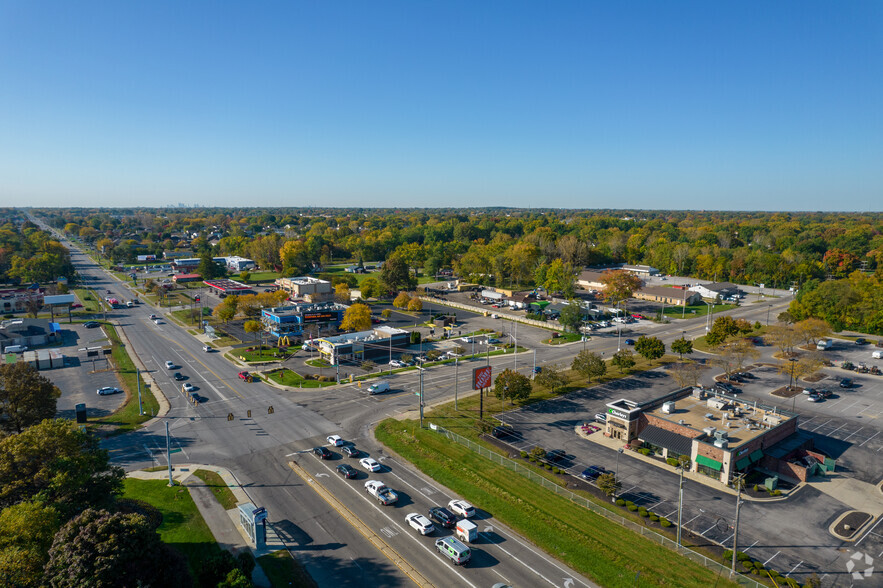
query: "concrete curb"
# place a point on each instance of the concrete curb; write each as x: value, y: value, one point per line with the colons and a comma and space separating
x: 151, y: 384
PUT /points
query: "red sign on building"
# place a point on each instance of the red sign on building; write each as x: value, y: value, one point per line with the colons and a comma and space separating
x: 481, y: 377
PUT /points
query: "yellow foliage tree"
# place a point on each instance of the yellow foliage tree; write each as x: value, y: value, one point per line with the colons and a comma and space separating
x: 415, y: 304
x: 356, y: 318
x: 401, y: 300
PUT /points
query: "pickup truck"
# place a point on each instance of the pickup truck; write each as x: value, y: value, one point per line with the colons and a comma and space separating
x: 378, y: 490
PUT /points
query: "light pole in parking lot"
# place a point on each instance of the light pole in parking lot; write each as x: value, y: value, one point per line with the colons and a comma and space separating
x: 738, y: 482
x: 680, y: 499
x: 616, y: 472
x: 768, y: 308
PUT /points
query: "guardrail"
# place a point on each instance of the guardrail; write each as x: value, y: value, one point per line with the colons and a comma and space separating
x: 509, y: 464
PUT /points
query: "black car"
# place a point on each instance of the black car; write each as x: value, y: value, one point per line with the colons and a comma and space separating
x: 846, y: 383
x: 178, y: 376
x: 350, y: 451
x: 505, y: 432
x: 91, y: 325
x: 556, y: 455
x: 322, y: 452
x: 347, y: 471
x: 443, y: 516
x: 592, y: 472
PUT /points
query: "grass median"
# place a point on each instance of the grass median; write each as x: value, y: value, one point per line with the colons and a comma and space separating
x: 608, y: 554
x: 219, y: 488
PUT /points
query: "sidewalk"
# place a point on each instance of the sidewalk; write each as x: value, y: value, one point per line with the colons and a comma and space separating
x: 224, y: 524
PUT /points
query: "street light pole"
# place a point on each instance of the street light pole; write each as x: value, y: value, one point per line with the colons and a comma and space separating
x: 738, y: 482
x: 616, y: 472
x: 138, y: 378
x: 768, y: 307
x: 680, y: 501
x: 456, y: 379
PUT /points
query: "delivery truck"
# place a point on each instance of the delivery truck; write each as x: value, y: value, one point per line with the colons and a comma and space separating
x: 466, y: 531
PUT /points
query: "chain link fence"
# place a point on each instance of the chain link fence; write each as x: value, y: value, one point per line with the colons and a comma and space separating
x: 507, y: 463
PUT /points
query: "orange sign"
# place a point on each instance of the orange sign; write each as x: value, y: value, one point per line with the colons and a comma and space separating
x: 481, y: 377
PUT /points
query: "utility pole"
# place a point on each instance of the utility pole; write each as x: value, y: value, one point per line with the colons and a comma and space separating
x: 680, y: 501
x: 737, y: 481
x: 138, y: 378
x: 456, y: 380
x: 515, y: 350
x: 169, y: 454
x: 421, y: 398
x: 534, y: 374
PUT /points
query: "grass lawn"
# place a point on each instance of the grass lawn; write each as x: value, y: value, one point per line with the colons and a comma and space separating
x: 286, y: 377
x: 183, y: 527
x: 694, y: 310
x: 319, y: 363
x: 283, y: 571
x: 268, y: 354
x: 263, y: 277
x: 127, y: 418
x: 220, y: 490
x: 603, y: 551
x: 563, y: 338
x: 88, y: 298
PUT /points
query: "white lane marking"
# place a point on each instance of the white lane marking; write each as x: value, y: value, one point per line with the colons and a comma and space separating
x: 181, y: 447
x: 513, y: 558
x: 868, y: 439
x: 708, y: 529
x: 771, y: 559
x: 693, y: 519
x: 853, y: 433
x: 749, y: 547
x: 794, y: 568
x: 851, y: 405
x: 409, y: 484
x: 820, y: 426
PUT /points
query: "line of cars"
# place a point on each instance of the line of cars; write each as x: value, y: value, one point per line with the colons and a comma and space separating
x: 179, y: 377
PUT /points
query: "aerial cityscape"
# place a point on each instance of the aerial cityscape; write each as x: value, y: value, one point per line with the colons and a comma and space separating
x: 345, y: 295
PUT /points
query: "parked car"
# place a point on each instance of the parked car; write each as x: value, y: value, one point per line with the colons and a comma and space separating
x: 462, y: 508
x: 347, y: 471
x: 420, y: 523
x: 808, y: 391
x: 206, y: 348
x: 91, y: 325
x: 601, y: 417
x: 370, y: 464
x: 812, y: 398
x: 443, y: 517
x: 505, y: 432
x: 629, y: 341
x: 592, y: 472
x: 350, y: 451
x: 861, y: 341
x: 846, y: 383
x: 335, y: 440
x: 322, y: 452
x: 108, y: 390
x: 152, y: 317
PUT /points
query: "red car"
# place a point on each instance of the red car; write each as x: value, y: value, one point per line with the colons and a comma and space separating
x: 245, y: 376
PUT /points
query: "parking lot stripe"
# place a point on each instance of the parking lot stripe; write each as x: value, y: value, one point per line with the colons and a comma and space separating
x: 724, y: 541
x: 874, y: 526
x: 693, y: 519
x: 771, y: 559
x: 820, y: 426
x: 794, y: 568
x: 851, y: 405
x: 868, y: 439
x: 749, y: 547
x: 831, y: 434
x: 853, y: 433
x: 708, y: 529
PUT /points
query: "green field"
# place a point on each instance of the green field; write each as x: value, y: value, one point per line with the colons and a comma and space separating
x: 694, y: 310
x: 283, y: 571
x: 219, y: 489
x: 286, y: 377
x: 89, y: 299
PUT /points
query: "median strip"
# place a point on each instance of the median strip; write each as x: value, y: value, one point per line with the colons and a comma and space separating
x: 361, y: 527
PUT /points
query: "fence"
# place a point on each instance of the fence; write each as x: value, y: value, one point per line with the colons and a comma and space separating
x: 585, y: 503
x: 496, y: 311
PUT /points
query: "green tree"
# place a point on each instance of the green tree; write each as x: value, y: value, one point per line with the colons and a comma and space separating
x: 512, y: 386
x: 723, y: 328
x: 57, y: 464
x: 26, y: 533
x: 650, y: 347
x: 224, y: 312
x: 589, y: 365
x: 103, y: 550
x: 552, y: 378
x: 571, y: 316
x: 371, y: 288
x: 208, y: 269
x: 26, y: 397
x: 558, y: 277
x: 356, y: 318
x: 245, y: 276
x: 255, y: 327
x: 624, y: 360
x: 395, y: 275
x: 235, y: 578
x: 608, y: 484
x: 682, y: 346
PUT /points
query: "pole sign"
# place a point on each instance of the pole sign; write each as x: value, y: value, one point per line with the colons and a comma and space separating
x: 481, y: 377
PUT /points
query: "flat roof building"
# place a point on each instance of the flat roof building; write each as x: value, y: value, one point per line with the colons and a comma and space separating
x: 306, y: 288
x: 379, y: 343
x: 290, y: 321
x: 227, y: 287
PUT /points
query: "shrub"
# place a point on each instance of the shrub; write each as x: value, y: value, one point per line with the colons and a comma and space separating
x: 548, y: 466
x: 538, y: 452
x: 728, y: 555
x: 533, y: 459
x: 620, y: 502
x: 748, y: 565
x: 756, y: 488
x: 741, y: 556
x: 645, y: 451
x: 776, y: 492
x: 644, y: 513
x: 671, y: 461
x: 654, y: 517
x: 629, y: 503
x: 523, y: 454
x: 642, y: 508
x: 665, y: 522
x: 633, y: 507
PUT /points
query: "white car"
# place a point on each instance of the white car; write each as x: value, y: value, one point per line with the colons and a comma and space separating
x: 157, y: 321
x: 335, y: 440
x: 206, y: 348
x: 188, y: 387
x: 420, y: 523
x: 462, y: 508
x: 170, y: 365
x: 107, y: 390
x: 396, y: 363
x: 370, y: 464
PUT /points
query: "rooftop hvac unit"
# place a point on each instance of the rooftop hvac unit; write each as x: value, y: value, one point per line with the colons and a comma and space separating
x: 668, y: 407
x: 682, y: 422
x: 722, y: 443
x: 720, y: 434
x: 709, y: 431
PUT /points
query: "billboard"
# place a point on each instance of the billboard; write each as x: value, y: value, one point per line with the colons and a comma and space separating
x: 59, y: 299
x: 146, y: 258
x: 481, y: 377
x: 317, y: 317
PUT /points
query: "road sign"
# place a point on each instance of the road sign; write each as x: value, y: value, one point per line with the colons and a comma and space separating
x: 481, y: 377
x: 179, y: 450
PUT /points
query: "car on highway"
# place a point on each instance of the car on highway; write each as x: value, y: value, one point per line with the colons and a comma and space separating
x: 347, y: 471
x: 108, y: 390
x: 462, y: 508
x: 322, y: 452
x: 350, y: 451
x: 629, y: 341
x: 335, y: 440
x: 179, y: 377
x: 443, y: 517
x: 188, y: 387
x: 91, y: 325
x: 206, y: 348
x: 592, y: 472
x: 152, y: 317
x: 243, y: 375
x: 420, y: 523
x: 370, y: 464
x: 170, y: 365
x: 157, y: 321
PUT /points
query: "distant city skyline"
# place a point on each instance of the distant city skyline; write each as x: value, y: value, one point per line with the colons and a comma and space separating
x: 578, y: 104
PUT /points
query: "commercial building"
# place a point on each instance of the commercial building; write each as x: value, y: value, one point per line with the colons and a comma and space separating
x: 237, y: 264
x: 290, y: 321
x: 193, y: 262
x: 381, y: 344
x: 590, y: 280
x: 714, y: 290
x: 307, y: 289
x: 176, y: 254
x: 183, y: 278
x: 669, y: 296
x: 28, y: 332
x: 227, y: 287
x: 721, y: 435
x: 17, y: 299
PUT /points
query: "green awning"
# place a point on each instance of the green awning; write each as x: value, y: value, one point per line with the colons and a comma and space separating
x: 756, y: 455
x: 708, y: 462
x: 743, y: 463
x: 541, y: 303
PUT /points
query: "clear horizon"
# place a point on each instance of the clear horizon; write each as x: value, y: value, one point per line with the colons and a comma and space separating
x: 574, y: 105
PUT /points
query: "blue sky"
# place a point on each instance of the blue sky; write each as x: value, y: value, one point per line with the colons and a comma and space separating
x: 736, y: 105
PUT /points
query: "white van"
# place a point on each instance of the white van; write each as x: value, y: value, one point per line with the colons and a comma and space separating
x: 454, y: 550
x: 877, y: 354
x: 16, y: 348
x: 824, y: 344
x: 378, y: 387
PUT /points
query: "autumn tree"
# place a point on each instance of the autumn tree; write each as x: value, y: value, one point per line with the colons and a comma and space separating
x: 59, y: 464
x: 650, y: 348
x: 552, y: 378
x: 415, y: 304
x: 245, y: 276
x: 682, y: 346
x: 512, y: 386
x: 687, y: 373
x: 254, y: 327
x: 356, y: 318
x: 104, y: 550
x: 619, y: 285
x: 341, y: 293
x: 812, y: 329
x: 26, y: 397
x: 224, y: 312
x: 725, y: 327
x: 26, y: 533
x: 624, y: 360
x: 402, y: 300
x: 732, y: 355
x: 589, y: 365
x: 608, y: 484
x: 783, y: 336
